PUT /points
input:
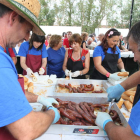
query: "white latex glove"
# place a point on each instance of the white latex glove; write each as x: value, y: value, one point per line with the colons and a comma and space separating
x: 102, y: 119
x: 123, y: 70
x: 114, y: 76
x: 67, y: 72
x: 41, y: 71
x: 46, y: 101
x: 75, y: 74
x: 29, y: 72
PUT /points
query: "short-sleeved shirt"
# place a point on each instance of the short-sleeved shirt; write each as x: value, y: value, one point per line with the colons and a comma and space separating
x: 66, y: 43
x: 98, y: 51
x: 10, y: 51
x: 24, y: 50
x: 13, y: 103
x: 55, y: 61
x: 134, y: 120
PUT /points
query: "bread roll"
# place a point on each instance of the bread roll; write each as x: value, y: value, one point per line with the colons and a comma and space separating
x: 31, y: 89
x: 133, y: 89
x: 30, y: 84
x: 49, y: 81
x: 34, y: 79
x: 125, y: 97
x: 25, y: 79
x: 131, y: 98
x: 25, y: 86
x: 20, y: 75
x: 67, y: 78
x: 128, y: 105
x: 119, y: 104
x: 129, y: 92
x: 123, y: 73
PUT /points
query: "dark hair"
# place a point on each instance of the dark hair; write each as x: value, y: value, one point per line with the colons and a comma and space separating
x: 76, y: 38
x: 91, y: 35
x: 4, y: 10
x: 134, y: 33
x: 54, y: 40
x: 84, y: 35
x: 36, y: 38
x: 120, y: 44
x: 110, y: 33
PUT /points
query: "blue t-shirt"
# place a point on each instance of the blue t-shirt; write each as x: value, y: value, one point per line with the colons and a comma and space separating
x: 23, y: 50
x: 98, y: 51
x: 134, y: 120
x: 13, y: 103
x: 55, y: 61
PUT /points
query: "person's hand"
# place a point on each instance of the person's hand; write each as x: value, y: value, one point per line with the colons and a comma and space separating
x: 115, y: 92
x: 57, y: 114
x: 75, y: 74
x: 67, y: 72
x: 114, y: 76
x: 41, y: 71
x: 123, y: 70
x: 46, y: 101
x: 29, y: 72
x: 102, y: 119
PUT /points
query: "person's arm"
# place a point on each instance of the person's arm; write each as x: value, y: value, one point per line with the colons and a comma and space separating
x: 32, y: 98
x: 23, y: 62
x: 65, y: 60
x: 14, y: 59
x: 131, y: 81
x: 120, y: 64
x: 32, y: 125
x: 87, y: 63
x: 115, y: 132
x: 98, y: 65
x: 44, y: 62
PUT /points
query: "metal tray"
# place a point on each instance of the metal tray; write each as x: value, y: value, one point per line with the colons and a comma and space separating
x: 58, y: 129
x: 96, y: 83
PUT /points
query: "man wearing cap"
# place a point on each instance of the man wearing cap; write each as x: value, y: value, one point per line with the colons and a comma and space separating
x: 17, y: 119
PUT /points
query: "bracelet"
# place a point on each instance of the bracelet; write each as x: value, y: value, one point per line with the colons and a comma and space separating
x: 108, y: 74
x: 43, y: 68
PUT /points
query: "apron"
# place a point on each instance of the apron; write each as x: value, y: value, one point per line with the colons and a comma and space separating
x: 109, y: 63
x: 137, y: 95
x: 75, y: 66
x: 34, y: 62
x: 4, y: 133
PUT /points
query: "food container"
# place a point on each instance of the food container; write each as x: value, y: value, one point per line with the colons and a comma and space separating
x: 59, y: 129
x: 98, y: 85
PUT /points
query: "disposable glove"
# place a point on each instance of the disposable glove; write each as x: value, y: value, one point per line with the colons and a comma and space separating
x: 114, y: 76
x: 29, y: 72
x: 46, y: 101
x: 115, y: 92
x: 41, y: 71
x: 102, y: 119
x: 67, y: 72
x: 57, y: 114
x: 75, y: 74
x: 123, y: 70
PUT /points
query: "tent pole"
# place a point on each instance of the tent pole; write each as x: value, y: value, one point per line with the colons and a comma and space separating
x: 131, y: 15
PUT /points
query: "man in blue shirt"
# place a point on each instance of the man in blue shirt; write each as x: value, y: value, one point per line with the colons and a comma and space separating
x: 132, y: 131
x: 17, y: 119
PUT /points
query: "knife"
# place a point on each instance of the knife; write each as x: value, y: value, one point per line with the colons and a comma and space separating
x: 110, y: 104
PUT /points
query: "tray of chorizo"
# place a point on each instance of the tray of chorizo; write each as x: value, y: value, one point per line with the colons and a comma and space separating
x: 80, y: 113
x: 80, y: 87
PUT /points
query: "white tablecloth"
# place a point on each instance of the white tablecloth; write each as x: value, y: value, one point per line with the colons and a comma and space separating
x: 123, y: 54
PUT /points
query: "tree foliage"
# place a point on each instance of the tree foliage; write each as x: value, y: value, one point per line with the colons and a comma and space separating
x: 88, y: 13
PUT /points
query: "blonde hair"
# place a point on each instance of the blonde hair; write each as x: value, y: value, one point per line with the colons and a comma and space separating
x: 54, y: 40
x: 84, y: 35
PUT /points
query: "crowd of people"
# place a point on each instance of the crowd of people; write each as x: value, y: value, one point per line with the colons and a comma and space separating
x: 66, y: 55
